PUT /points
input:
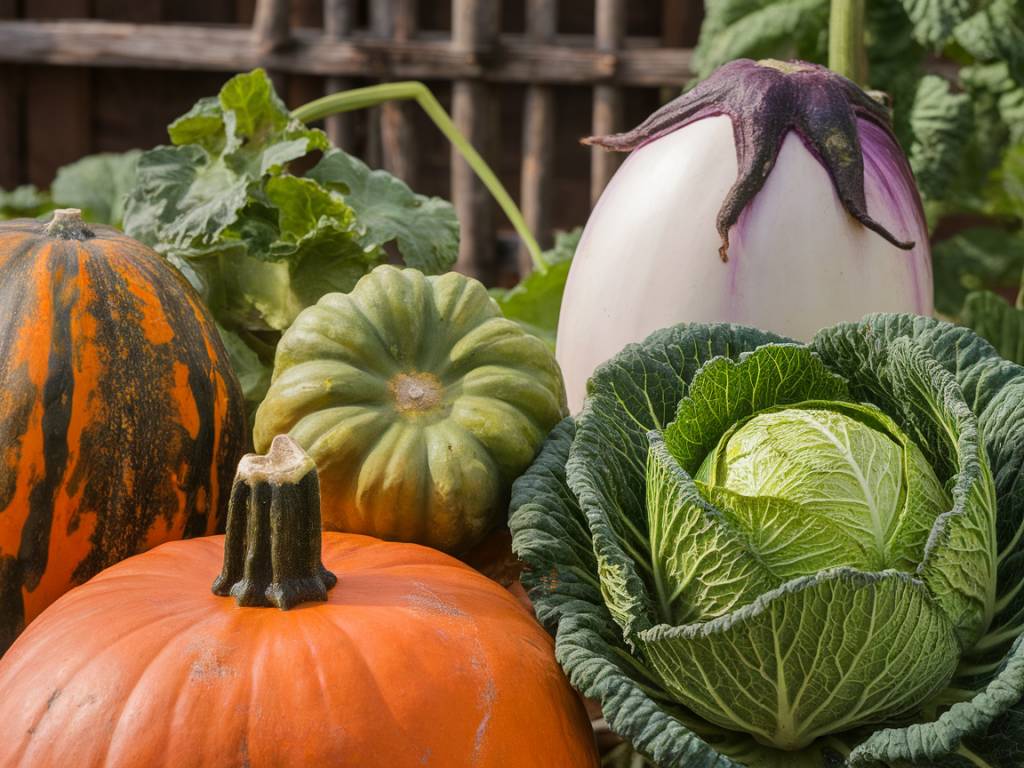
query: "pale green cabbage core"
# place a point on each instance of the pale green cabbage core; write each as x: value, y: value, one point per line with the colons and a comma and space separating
x: 864, y: 484
x: 792, y: 572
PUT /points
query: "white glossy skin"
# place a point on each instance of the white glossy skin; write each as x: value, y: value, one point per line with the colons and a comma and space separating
x: 798, y: 262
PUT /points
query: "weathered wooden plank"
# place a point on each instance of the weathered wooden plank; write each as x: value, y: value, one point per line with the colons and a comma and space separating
x: 149, y: 93
x: 569, y: 59
x: 609, y: 35
x: 680, y: 24
x: 58, y: 129
x: 270, y: 28
x: 11, y: 79
x: 270, y: 32
x: 199, y: 11
x: 127, y: 10
x: 475, y: 28
x: 538, y: 136
x: 397, y: 20
x: 301, y: 88
x: 339, y: 16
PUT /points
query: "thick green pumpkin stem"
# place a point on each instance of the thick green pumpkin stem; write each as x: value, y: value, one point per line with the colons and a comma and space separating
x: 272, y: 547
x: 68, y: 224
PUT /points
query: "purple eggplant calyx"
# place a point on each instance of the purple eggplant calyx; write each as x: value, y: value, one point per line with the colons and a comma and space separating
x: 765, y: 100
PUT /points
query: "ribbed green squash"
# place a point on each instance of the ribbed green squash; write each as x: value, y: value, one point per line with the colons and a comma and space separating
x: 419, y: 403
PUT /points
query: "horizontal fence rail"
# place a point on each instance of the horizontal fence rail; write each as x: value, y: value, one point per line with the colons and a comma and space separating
x: 477, y: 57
x: 567, y: 59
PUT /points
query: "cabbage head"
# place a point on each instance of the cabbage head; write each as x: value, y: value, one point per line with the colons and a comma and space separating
x: 760, y: 553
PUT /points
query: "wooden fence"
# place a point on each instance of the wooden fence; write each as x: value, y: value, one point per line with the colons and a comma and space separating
x: 382, y: 40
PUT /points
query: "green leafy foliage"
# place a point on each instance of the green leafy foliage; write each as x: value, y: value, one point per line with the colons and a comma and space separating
x: 934, y: 20
x: 424, y: 229
x: 1007, y: 188
x: 995, y: 319
x: 940, y: 121
x: 536, y: 301
x: 972, y: 260
x: 260, y: 243
x: 24, y: 201
x: 996, y: 33
x: 756, y: 29
x: 97, y: 184
x: 626, y: 550
x: 978, y: 268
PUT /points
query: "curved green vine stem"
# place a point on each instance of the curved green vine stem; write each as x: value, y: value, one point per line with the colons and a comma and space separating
x: 411, y: 90
x: 846, y: 53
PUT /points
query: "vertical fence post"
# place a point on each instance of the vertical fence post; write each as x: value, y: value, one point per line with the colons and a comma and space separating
x: 474, y: 30
x: 680, y: 28
x: 396, y: 19
x: 609, y: 34
x: 58, y: 100
x: 10, y: 113
x: 270, y: 25
x: 538, y: 135
x: 270, y: 32
x: 338, y: 23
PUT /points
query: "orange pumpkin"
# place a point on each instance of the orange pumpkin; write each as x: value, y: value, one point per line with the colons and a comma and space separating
x: 120, y: 416
x: 411, y: 659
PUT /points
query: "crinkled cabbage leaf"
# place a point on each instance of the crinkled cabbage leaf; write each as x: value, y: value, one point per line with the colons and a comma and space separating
x: 704, y: 616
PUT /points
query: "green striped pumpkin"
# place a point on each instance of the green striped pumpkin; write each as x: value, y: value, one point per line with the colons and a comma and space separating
x: 419, y: 403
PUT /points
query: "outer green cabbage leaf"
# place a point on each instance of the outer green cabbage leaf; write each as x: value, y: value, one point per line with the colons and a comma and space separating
x: 818, y: 655
x: 637, y: 391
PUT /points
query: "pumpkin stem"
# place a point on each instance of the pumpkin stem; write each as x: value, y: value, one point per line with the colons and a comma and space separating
x: 68, y: 224
x: 272, y: 547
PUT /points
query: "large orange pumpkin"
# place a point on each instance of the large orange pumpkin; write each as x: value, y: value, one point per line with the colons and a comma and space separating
x: 120, y: 417
x: 396, y: 655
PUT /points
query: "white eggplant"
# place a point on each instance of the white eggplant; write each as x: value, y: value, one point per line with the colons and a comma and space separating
x: 724, y: 213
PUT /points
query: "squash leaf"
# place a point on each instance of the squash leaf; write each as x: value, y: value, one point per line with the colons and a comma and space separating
x: 97, y: 184
x: 259, y: 242
x: 24, y: 201
x: 536, y: 301
x: 425, y: 229
x: 973, y: 260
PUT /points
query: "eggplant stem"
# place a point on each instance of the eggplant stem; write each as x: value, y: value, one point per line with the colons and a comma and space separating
x: 846, y: 53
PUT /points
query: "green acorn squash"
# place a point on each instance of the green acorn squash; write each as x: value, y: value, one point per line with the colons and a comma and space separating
x: 419, y: 403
